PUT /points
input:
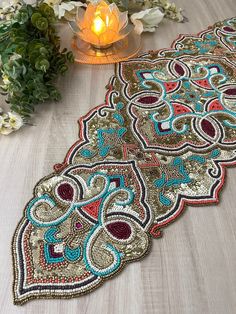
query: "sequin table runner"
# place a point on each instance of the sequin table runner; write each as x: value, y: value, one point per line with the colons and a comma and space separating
x: 161, y: 140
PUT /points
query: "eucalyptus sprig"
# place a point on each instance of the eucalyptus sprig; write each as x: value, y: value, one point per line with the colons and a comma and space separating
x: 31, y: 58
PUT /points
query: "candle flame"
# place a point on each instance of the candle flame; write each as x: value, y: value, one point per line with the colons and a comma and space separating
x: 98, y: 26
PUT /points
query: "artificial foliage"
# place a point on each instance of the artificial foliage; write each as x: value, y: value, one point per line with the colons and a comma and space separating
x: 31, y: 59
x: 169, y: 9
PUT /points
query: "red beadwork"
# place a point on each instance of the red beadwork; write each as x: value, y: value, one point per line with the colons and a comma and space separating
x: 65, y: 191
x: 230, y: 91
x: 179, y: 69
x: 148, y: 99
x: 229, y: 29
x: 208, y: 128
x: 119, y: 229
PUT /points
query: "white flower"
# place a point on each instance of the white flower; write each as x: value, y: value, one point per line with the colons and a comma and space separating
x: 51, y: 3
x: 8, y: 8
x: 5, y: 131
x: 5, y: 79
x: 94, y: 2
x: 5, y: 128
x: 146, y: 20
x: 64, y: 9
x: 8, y: 4
x: 1, y: 121
x: 10, y: 122
x: 15, y: 120
x: 15, y: 56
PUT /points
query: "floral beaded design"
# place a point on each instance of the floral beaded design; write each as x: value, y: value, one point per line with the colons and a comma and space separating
x: 161, y: 141
x: 191, y: 104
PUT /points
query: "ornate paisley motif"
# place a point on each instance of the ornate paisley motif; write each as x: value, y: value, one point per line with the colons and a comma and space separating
x: 161, y: 141
x: 190, y: 106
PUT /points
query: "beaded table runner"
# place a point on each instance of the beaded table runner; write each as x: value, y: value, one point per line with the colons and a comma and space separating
x: 161, y: 141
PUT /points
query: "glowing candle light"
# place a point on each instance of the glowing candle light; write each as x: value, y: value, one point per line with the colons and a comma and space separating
x: 102, y: 23
x: 98, y: 26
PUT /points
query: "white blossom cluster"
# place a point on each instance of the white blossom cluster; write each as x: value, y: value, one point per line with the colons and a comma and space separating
x: 9, y: 122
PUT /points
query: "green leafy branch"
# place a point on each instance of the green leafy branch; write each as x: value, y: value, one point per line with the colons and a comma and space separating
x: 31, y: 58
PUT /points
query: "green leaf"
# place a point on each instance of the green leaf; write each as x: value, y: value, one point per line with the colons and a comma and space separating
x: 42, y: 64
x: 22, y: 17
x: 35, y: 17
x: 31, y: 77
x: 41, y: 23
x: 70, y: 57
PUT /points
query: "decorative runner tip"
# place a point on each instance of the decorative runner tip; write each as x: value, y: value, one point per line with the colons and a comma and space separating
x: 161, y: 141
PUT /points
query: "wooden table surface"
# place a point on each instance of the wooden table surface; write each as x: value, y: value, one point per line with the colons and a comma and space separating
x: 191, y: 270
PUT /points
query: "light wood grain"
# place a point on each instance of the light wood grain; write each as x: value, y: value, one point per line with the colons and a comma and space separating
x: 191, y: 270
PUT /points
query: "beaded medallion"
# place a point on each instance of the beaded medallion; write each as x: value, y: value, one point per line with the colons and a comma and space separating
x: 161, y: 141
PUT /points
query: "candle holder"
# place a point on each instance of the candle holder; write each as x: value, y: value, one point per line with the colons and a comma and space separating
x: 102, y: 35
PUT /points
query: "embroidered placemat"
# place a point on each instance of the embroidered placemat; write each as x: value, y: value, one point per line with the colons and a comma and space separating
x: 161, y: 141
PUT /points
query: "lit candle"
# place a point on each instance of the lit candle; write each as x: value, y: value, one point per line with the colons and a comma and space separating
x: 98, y: 26
x: 102, y: 23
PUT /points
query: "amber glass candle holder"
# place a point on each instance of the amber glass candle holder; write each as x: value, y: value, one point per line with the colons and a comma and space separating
x: 102, y: 35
